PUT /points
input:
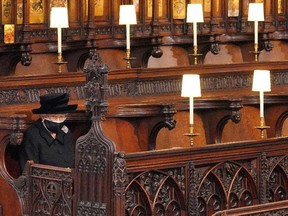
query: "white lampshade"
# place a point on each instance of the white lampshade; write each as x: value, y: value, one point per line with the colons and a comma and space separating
x: 261, y: 81
x: 191, y: 85
x: 194, y: 13
x: 127, y: 15
x: 59, y: 17
x: 256, y: 12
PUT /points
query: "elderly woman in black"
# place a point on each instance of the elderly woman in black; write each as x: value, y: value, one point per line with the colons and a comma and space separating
x: 48, y: 141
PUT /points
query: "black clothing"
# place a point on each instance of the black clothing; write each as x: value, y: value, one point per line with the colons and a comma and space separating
x: 38, y: 145
x: 54, y: 103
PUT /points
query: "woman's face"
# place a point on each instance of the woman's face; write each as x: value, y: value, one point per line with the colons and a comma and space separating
x: 55, y: 117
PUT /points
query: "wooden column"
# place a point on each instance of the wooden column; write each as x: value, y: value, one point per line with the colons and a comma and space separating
x: 91, y: 18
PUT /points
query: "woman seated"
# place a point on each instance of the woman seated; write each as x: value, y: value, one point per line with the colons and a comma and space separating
x: 48, y: 141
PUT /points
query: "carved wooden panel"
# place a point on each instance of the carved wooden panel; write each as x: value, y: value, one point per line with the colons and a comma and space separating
x: 95, y: 153
x: 157, y: 192
x: 213, y: 182
x: 227, y: 185
x: 277, y: 181
x: 52, y: 191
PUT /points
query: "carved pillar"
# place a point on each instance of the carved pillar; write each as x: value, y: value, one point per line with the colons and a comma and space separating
x: 91, y: 15
x: 26, y: 32
x: 94, y: 156
x: 269, y: 24
x: 25, y: 47
x: 244, y: 5
x: 155, y: 14
x: 192, y: 197
x: 263, y: 178
x: 156, y: 51
x: 268, y: 13
x: 120, y: 180
x: 215, y: 22
x: 216, y: 16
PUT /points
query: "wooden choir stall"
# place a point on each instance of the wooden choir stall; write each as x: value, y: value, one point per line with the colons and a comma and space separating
x: 133, y: 175
x: 136, y: 153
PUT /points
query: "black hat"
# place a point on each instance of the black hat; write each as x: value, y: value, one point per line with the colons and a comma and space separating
x: 54, y: 103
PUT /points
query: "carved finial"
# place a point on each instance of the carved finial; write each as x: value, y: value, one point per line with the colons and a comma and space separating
x: 96, y: 85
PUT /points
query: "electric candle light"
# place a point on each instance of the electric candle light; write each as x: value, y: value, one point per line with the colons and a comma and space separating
x: 59, y: 20
x: 194, y: 15
x: 261, y: 83
x: 256, y: 13
x: 127, y: 17
x: 191, y: 88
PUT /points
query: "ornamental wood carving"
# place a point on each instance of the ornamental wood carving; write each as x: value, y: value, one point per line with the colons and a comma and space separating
x: 52, y: 191
x: 94, y: 162
x: 206, y: 188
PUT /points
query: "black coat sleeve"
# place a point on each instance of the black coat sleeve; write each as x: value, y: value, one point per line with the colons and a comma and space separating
x: 29, y: 149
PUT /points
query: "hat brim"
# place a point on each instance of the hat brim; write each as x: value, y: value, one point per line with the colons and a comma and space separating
x: 60, y: 110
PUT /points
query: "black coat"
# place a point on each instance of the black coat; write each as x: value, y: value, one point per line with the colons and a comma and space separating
x: 38, y: 145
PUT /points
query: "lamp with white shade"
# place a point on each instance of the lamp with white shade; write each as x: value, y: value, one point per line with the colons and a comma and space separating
x: 127, y: 17
x: 261, y: 83
x: 191, y: 88
x: 59, y: 20
x: 256, y: 14
x: 195, y: 15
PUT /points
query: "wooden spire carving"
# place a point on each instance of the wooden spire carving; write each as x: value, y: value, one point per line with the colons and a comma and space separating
x: 95, y: 154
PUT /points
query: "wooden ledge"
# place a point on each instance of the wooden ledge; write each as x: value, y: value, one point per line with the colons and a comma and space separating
x: 142, y: 110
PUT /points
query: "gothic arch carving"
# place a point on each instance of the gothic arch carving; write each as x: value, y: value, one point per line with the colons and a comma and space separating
x: 227, y: 181
x: 277, y: 181
x: 161, y: 191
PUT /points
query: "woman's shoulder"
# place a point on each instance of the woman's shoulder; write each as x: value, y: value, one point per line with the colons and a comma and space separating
x: 34, y: 127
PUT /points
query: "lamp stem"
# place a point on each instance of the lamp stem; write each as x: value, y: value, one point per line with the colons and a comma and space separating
x: 261, y: 93
x: 59, y: 33
x: 195, y: 47
x: 128, y: 36
x: 256, y: 53
x: 194, y: 34
x: 59, y: 57
x: 191, y: 109
x: 256, y: 32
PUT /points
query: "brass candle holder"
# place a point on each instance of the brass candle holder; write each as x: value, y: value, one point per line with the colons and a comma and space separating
x: 195, y: 54
x: 128, y: 58
x: 191, y: 134
x: 262, y: 127
x: 60, y: 62
x: 256, y: 52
